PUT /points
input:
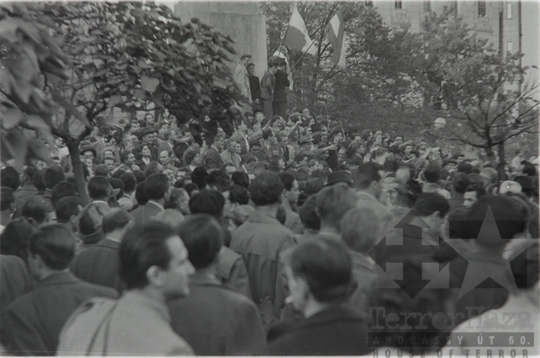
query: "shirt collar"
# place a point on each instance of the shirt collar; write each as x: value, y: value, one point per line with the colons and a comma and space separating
x: 156, y: 204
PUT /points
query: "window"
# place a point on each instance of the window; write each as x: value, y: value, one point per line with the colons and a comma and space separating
x: 481, y: 8
x: 509, y: 47
x: 508, y: 9
x: 427, y: 6
x: 398, y: 4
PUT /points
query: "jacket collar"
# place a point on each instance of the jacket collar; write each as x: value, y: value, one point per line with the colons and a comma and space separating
x: 151, y: 202
x: 203, y: 279
x: 146, y: 302
x: 60, y: 278
x: 260, y: 218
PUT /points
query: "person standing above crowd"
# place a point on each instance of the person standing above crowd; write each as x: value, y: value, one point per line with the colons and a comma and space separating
x: 268, y: 84
x: 241, y: 77
x: 279, y: 105
x: 255, y: 87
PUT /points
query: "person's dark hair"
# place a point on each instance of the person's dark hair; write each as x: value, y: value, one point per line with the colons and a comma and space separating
x: 432, y: 173
x: 428, y: 203
x: 528, y: 168
x: 203, y: 237
x: 151, y: 168
x: 240, y: 178
x: 36, y: 209
x: 130, y: 182
x: 142, y: 248
x: 360, y: 229
x: 124, y: 155
x: 464, y: 167
x: 239, y: 194
x: 198, y: 176
x: 52, y: 176
x: 9, y: 177
x: 38, y: 180
x: 102, y: 170
x: 6, y: 198
x: 14, y: 238
x: 140, y: 194
x: 209, y: 202
x: 333, y: 202
x: 460, y: 182
x: 99, y: 187
x: 114, y: 220
x: 219, y: 179
x: 281, y: 214
x: 266, y: 189
x: 326, y: 266
x: 390, y: 165
x: 479, y: 189
x: 507, y: 219
x: 308, y: 213
x: 30, y: 171
x: 117, y: 184
x: 408, y: 192
x: 156, y: 186
x: 189, y: 156
x: 55, y: 244
x: 139, y: 175
x: 287, y: 179
x: 67, y: 207
x: 62, y: 190
x: 190, y: 188
x: 365, y: 175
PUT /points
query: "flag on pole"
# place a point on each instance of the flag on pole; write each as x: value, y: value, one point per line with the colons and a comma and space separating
x: 336, y: 35
x: 297, y: 35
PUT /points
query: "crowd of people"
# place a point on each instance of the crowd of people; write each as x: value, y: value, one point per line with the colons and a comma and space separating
x: 277, y: 240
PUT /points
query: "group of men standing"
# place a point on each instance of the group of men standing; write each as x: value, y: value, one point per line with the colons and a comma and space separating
x: 268, y: 94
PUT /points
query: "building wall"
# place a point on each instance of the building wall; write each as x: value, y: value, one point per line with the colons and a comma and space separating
x: 240, y: 20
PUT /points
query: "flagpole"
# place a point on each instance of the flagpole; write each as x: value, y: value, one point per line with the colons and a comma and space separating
x: 303, y: 54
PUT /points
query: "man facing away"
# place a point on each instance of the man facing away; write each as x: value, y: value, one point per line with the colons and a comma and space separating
x: 155, y: 268
x: 31, y: 325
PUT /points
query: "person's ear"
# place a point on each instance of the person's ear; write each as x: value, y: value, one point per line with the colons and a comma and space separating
x: 155, y: 276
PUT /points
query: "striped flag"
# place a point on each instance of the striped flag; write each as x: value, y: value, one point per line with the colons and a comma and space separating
x: 297, y: 35
x: 336, y: 35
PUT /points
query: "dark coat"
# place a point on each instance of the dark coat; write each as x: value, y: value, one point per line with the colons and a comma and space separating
x: 32, y: 323
x: 255, y: 87
x: 334, y: 331
x: 282, y: 82
x: 212, y: 159
x: 98, y: 264
x: 217, y: 321
x: 14, y: 280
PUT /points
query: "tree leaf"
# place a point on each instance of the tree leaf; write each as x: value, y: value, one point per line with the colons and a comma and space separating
x: 41, y: 127
x: 149, y: 84
x: 11, y: 118
x: 14, y: 143
x: 37, y: 150
x: 139, y: 93
x: 114, y: 100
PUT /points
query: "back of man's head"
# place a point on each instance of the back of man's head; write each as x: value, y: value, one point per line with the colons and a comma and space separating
x: 116, y: 219
x: 142, y: 248
x: 198, y: 176
x: 156, y: 186
x: 99, y: 188
x: 209, y: 202
x: 333, y: 202
x: 152, y: 168
x: 390, y: 165
x: 490, y: 175
x: 29, y: 171
x: 266, y: 189
x: 240, y: 178
x: 365, y: 175
x: 287, y: 179
x: 38, y: 180
x: 432, y: 173
x: 464, y: 167
x: 308, y: 213
x: 130, y: 182
x: 360, y: 228
x: 428, y: 203
x: 460, y: 182
x: 62, y: 190
x: 171, y: 217
x: 218, y: 180
x: 6, y: 198
x: 52, y: 176
x: 55, y: 244
x: 10, y: 178
x: 203, y: 238
x: 102, y: 170
x: 35, y: 210
x: 239, y: 194
x: 66, y: 208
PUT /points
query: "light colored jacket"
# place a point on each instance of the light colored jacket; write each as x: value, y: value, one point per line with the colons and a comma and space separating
x: 136, y: 325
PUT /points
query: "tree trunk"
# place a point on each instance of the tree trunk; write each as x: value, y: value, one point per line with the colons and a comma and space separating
x: 502, y: 161
x: 491, y: 156
x: 80, y: 182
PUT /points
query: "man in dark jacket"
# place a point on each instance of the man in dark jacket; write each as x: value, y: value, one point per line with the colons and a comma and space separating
x: 31, y: 325
x: 255, y: 87
x: 280, y: 95
x: 268, y: 83
x: 99, y: 263
x: 213, y: 319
